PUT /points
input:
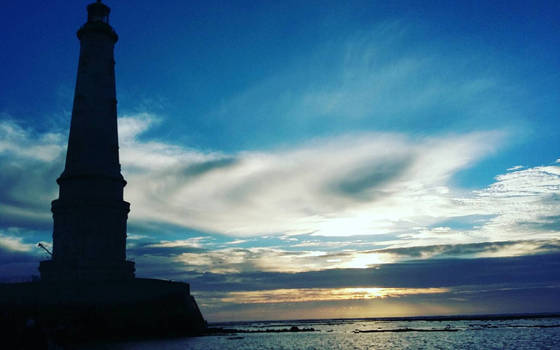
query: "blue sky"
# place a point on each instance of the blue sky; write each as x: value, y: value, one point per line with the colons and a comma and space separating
x: 357, y: 142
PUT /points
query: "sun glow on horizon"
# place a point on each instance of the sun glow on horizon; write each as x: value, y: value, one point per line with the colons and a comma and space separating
x: 299, y: 295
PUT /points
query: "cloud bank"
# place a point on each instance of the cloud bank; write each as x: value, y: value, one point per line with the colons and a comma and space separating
x: 356, y: 184
x: 350, y: 185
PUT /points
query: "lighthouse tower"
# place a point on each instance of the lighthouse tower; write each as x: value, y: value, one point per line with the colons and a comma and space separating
x: 88, y: 287
x: 89, y: 235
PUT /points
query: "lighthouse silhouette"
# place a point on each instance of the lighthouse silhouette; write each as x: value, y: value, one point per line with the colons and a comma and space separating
x: 88, y: 287
x: 89, y: 234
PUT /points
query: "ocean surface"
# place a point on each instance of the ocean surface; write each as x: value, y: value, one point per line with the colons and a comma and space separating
x: 529, y: 333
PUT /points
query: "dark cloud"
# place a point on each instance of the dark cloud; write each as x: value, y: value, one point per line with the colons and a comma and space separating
x: 29, y: 181
x: 28, y: 187
x: 552, y: 198
x: 544, y: 223
x: 150, y: 232
x: 360, y: 182
x: 516, y: 271
x: 33, y: 219
x: 195, y: 255
x: 207, y: 166
x: 457, y: 250
x: 155, y: 248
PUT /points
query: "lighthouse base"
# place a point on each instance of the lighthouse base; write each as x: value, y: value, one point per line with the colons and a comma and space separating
x: 83, y: 311
x: 51, y: 271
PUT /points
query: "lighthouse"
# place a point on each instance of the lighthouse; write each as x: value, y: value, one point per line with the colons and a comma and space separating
x: 88, y: 286
x: 90, y: 215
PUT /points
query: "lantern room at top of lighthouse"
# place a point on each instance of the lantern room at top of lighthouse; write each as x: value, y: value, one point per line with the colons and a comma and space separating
x: 98, y: 12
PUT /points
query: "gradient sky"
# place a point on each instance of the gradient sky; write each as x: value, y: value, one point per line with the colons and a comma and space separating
x: 307, y: 159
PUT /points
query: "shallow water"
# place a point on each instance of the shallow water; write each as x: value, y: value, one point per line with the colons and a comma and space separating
x: 541, y: 333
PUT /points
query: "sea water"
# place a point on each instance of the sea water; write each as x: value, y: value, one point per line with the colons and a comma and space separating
x: 539, y: 333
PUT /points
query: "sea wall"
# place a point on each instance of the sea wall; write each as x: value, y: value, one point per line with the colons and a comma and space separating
x: 138, y: 307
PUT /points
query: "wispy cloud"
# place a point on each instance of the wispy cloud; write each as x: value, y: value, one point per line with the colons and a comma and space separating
x: 22, y: 143
x: 372, y: 80
x: 349, y: 185
x: 525, y: 203
x: 14, y: 243
x: 360, y: 184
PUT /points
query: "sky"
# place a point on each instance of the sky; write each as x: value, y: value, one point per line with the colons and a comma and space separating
x: 307, y: 159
